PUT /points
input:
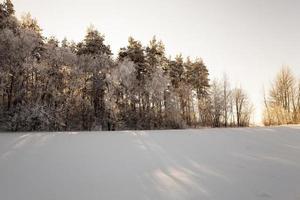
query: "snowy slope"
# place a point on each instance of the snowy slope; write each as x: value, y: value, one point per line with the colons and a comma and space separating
x: 229, y: 164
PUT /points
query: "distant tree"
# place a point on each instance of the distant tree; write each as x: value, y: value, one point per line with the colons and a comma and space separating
x: 176, y: 73
x: 9, y: 7
x: 217, y: 103
x: 65, y: 43
x: 282, y: 103
x: 197, y: 76
x: 27, y: 22
x: 95, y: 61
x: 157, y: 82
x: 93, y: 44
x: 135, y: 52
x: 2, y: 12
x: 7, y: 17
x: 242, y: 106
x: 226, y: 99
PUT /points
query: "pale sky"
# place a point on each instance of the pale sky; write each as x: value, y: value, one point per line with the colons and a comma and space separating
x: 250, y: 40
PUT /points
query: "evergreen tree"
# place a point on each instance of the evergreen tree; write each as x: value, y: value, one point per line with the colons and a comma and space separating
x: 7, y: 18
x: 94, y: 44
x: 176, y: 71
x: 2, y: 12
x: 29, y: 23
x: 95, y: 61
x: 9, y: 7
x: 197, y: 76
x: 136, y: 53
x: 155, y: 55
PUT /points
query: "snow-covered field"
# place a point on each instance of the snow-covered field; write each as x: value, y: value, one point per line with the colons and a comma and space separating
x: 230, y: 164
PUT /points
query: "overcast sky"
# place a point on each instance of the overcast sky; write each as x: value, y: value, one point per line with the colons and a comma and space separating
x: 250, y: 40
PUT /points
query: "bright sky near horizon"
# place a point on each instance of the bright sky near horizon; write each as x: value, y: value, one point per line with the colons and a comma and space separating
x: 250, y: 40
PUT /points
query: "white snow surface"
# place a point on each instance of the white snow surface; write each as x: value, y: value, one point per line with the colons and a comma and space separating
x: 217, y: 164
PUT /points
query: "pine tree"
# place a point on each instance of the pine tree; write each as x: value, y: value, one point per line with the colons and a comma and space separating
x: 94, y: 44
x: 95, y: 58
x: 136, y: 53
x: 197, y: 76
x: 27, y: 22
x: 65, y: 43
x: 2, y: 11
x: 7, y: 18
x: 155, y: 55
x: 176, y: 71
x: 9, y: 7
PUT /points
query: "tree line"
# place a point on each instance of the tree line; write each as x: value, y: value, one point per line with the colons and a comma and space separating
x: 51, y: 85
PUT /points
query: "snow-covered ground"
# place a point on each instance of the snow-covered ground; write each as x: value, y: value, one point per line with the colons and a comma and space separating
x: 217, y: 164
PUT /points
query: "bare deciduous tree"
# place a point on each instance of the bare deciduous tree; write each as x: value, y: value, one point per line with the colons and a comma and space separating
x: 282, y: 103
